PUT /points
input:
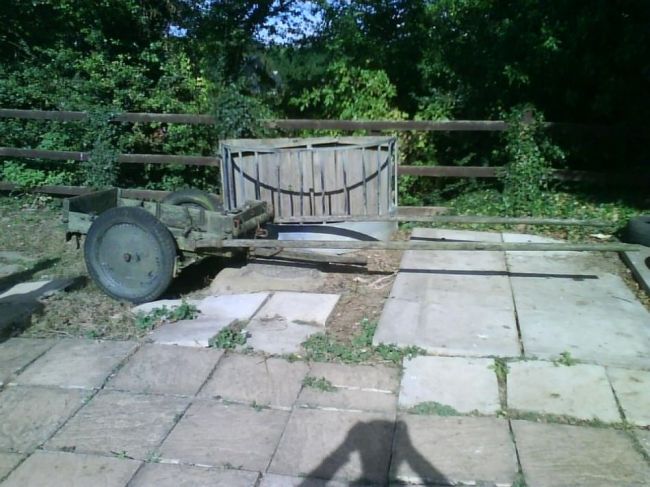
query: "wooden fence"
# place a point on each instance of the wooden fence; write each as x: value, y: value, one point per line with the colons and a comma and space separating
x: 640, y: 180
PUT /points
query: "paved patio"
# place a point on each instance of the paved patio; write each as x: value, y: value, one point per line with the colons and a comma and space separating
x: 83, y: 412
x: 499, y: 401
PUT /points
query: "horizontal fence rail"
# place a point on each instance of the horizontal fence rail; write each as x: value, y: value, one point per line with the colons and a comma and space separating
x: 628, y: 179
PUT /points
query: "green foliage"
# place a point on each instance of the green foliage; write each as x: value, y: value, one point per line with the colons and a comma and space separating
x: 323, y: 348
x: 526, y: 177
x: 434, y: 408
x: 565, y: 359
x: 157, y: 316
x: 501, y: 369
x: 230, y: 337
x: 320, y: 383
x: 101, y: 171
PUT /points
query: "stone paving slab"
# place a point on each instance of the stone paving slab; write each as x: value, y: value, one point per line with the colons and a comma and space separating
x: 448, y: 329
x: 30, y: 415
x: 76, y: 363
x: 116, y: 422
x: 235, y: 306
x: 17, y: 353
x: 486, y: 291
x: 36, y: 289
x: 580, y: 391
x: 162, y: 303
x: 595, y: 320
x: 465, y: 384
x: 309, y: 308
x: 279, y: 336
x: 167, y: 475
x: 58, y: 469
x: 8, y: 462
x: 256, y: 277
x: 215, y: 434
x: 166, y: 369
x: 644, y: 439
x: 189, y: 333
x: 348, y: 400
x: 335, y: 445
x: 554, y: 455
x: 272, y: 480
x: 366, y: 377
x: 454, y: 450
x: 639, y: 264
x: 356, y: 388
x: 632, y: 389
x: 248, y: 378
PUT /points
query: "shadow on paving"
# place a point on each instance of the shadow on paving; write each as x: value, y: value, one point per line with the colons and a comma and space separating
x: 11, y: 280
x: 363, y: 439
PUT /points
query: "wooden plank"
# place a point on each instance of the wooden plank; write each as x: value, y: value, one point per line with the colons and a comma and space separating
x: 57, y: 115
x: 132, y: 117
x: 449, y: 171
x: 422, y: 210
x: 461, y: 219
x: 415, y: 245
x: 55, y: 155
x: 78, y: 190
x: 377, y: 125
x: 167, y: 159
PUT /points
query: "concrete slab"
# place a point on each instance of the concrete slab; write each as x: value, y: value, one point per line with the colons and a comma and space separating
x: 278, y: 336
x: 189, y: 333
x: 377, y: 378
x: 595, y: 320
x: 632, y: 388
x: 58, y: 469
x: 162, y: 303
x: 18, y: 353
x: 30, y: 415
x: 465, y: 450
x: 335, y: 445
x: 644, y: 439
x: 257, y: 277
x: 166, y: 369
x: 307, y: 308
x: 449, y: 329
x: 554, y: 455
x: 485, y: 291
x: 235, y: 306
x: 166, y: 475
x: 36, y: 289
x: 356, y: 388
x: 215, y: 434
x: 249, y: 378
x: 8, y: 462
x: 272, y: 480
x: 639, y: 264
x: 118, y: 423
x: 580, y: 391
x: 76, y: 364
x: 467, y: 385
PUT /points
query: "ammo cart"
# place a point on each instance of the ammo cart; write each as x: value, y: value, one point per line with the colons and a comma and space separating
x: 280, y: 197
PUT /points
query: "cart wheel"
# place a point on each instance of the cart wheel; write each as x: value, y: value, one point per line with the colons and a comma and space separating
x: 194, y: 198
x: 130, y: 254
x: 638, y: 230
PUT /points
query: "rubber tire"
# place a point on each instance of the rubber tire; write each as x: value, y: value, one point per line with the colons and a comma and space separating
x: 638, y: 231
x: 148, y: 223
x: 194, y: 198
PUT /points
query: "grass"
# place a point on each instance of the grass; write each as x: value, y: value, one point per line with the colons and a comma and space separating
x: 157, y: 316
x: 560, y: 419
x: 434, y: 408
x: 230, y: 337
x: 565, y: 359
x: 323, y: 348
x: 501, y: 369
x: 320, y: 383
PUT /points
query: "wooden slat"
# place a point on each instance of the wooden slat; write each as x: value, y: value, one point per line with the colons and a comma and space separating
x: 55, y: 155
x: 167, y: 159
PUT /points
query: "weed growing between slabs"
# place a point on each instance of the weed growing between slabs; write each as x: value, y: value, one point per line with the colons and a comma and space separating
x: 323, y: 348
x: 320, y: 383
x: 157, y: 316
x: 230, y: 337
